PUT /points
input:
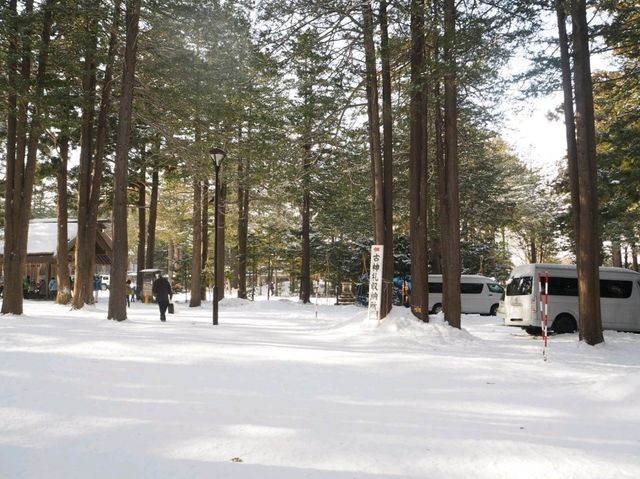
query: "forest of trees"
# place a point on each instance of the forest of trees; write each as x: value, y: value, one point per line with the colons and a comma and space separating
x: 345, y: 123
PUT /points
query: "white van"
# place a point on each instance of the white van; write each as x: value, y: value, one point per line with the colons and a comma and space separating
x: 619, y: 298
x: 478, y: 294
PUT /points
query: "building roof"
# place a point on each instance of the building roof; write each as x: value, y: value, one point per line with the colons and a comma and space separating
x: 43, y: 236
x: 43, y: 240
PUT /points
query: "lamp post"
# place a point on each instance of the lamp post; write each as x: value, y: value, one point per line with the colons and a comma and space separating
x: 217, y: 155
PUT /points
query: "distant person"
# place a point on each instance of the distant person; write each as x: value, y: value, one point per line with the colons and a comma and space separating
x: 97, y: 286
x: 406, y: 292
x: 42, y: 288
x: 129, y: 291
x: 26, y: 284
x: 53, y: 288
x: 162, y: 291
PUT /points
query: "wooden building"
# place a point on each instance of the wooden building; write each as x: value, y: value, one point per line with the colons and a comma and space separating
x: 42, y: 254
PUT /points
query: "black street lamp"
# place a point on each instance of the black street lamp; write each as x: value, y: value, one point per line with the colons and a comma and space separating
x: 217, y: 155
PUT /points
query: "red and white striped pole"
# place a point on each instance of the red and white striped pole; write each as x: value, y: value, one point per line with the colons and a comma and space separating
x: 544, y: 310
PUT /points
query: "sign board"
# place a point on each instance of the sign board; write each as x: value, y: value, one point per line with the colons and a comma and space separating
x: 375, y: 279
x: 148, y: 275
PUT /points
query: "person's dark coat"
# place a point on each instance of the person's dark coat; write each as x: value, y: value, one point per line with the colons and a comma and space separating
x: 162, y: 290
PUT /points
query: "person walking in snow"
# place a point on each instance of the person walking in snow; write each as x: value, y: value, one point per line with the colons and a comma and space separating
x: 53, y: 288
x: 97, y: 286
x: 162, y: 291
x: 129, y: 291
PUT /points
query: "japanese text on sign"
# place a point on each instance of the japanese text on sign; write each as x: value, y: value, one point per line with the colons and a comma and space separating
x: 375, y: 278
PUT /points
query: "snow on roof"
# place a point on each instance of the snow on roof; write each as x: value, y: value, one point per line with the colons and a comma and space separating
x: 43, y: 236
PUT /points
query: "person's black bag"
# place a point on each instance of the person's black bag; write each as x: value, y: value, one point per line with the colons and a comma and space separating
x: 170, y: 308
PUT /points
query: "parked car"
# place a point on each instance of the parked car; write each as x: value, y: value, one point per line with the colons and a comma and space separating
x: 478, y: 294
x: 619, y: 298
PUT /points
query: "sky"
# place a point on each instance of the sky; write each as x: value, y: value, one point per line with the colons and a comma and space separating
x: 288, y: 391
x: 539, y: 142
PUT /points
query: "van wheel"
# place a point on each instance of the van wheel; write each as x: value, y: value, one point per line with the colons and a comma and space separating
x: 494, y: 310
x: 104, y: 287
x: 564, y: 324
x: 437, y: 308
x: 533, y: 330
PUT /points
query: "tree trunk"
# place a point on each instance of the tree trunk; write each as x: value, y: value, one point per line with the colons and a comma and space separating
x: 83, y: 282
x: 205, y: 233
x: 142, y: 231
x: 533, y: 251
x: 219, y: 272
x: 375, y: 142
x: 171, y: 258
x: 196, y: 260
x: 22, y: 139
x: 373, y: 110
x: 13, y: 293
x: 305, y: 273
x: 26, y: 163
x: 117, y: 297
x: 102, y: 126
x: 439, y: 146
x: 436, y: 255
x: 153, y: 218
x: 569, y: 117
x: 616, y: 254
x: 588, y: 253
x: 418, y: 165
x: 387, y: 151
x: 451, y: 212
x: 243, y: 228
x: 62, y: 247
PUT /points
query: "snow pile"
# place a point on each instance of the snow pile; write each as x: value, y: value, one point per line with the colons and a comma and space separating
x: 400, y: 328
x: 402, y: 323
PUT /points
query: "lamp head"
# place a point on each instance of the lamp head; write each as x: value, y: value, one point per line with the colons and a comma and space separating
x: 217, y: 155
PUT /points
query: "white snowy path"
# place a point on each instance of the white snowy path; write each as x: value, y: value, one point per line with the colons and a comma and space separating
x: 273, y: 392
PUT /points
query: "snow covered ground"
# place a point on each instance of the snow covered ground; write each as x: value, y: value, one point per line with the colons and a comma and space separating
x: 276, y: 392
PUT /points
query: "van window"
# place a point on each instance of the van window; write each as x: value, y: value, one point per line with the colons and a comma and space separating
x: 519, y: 286
x: 569, y: 287
x: 560, y: 286
x: 471, y: 288
x: 435, y: 287
x: 495, y: 288
x: 615, y: 289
